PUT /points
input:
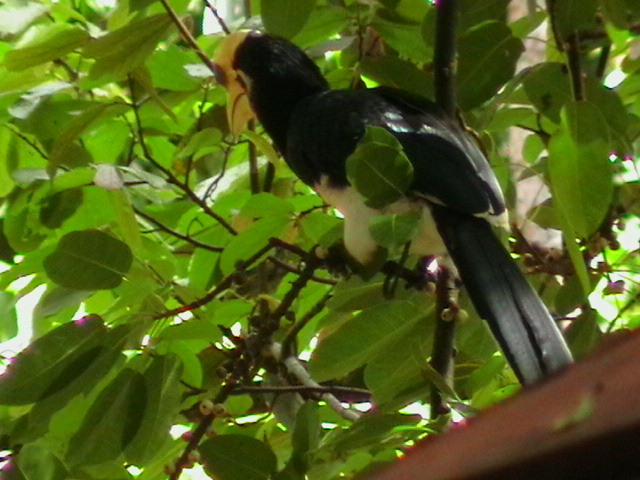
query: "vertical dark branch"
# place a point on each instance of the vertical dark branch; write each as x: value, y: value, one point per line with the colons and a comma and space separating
x: 444, y: 58
x: 574, y: 61
x: 444, y: 339
x: 601, y: 68
x: 444, y: 66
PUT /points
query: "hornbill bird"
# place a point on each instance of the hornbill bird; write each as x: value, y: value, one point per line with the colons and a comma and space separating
x: 454, y: 190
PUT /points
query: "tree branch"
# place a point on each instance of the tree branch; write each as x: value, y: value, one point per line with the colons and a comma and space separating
x: 444, y: 59
x: 184, y: 31
x: 224, y: 284
x: 178, y: 235
x: 444, y: 338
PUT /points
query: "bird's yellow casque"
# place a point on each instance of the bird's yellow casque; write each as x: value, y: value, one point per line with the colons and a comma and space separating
x: 239, y: 111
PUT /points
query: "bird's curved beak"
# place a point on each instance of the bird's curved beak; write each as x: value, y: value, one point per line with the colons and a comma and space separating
x: 239, y: 111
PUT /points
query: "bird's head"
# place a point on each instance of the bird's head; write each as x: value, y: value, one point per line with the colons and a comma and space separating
x: 265, y: 74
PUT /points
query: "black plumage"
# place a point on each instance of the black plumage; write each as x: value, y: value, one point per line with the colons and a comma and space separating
x: 453, y: 187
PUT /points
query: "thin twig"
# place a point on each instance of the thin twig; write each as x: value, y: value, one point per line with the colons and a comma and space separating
x: 295, y: 368
x: 224, y: 284
x: 178, y: 235
x: 334, y: 389
x: 296, y: 288
x: 292, y: 333
x: 170, y: 177
x: 219, y: 19
x: 200, y: 431
x: 184, y: 31
x: 26, y: 140
x: 291, y: 269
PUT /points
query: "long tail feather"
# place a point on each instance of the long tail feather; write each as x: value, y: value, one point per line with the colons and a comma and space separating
x: 522, y: 325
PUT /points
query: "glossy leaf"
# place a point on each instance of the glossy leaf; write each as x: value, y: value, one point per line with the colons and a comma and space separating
x: 306, y: 437
x: 9, y: 324
x: 52, y: 362
x: 393, y: 231
x: 237, y: 457
x: 37, y: 461
x: 89, y: 260
x: 46, y: 43
x: 251, y: 240
x: 112, y: 422
x: 571, y: 16
x: 379, y: 169
x: 121, y: 51
x: 362, y: 338
x: 579, y: 167
x: 163, y: 397
x: 487, y: 56
x: 285, y: 18
x: 404, y: 37
x: 401, y: 364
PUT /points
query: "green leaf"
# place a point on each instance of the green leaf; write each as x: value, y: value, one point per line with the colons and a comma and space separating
x: 487, y: 57
x: 52, y: 362
x: 194, y: 329
x: 263, y: 145
x: 362, y: 338
x: 264, y: 205
x: 112, y: 421
x: 405, y: 38
x: 285, y: 18
x: 572, y: 16
x: 584, y: 334
x: 355, y: 294
x: 9, y: 323
x: 79, y: 378
x: 167, y: 69
x: 163, y: 395
x: 326, y: 21
x: 622, y: 13
x: 237, y: 457
x: 400, y: 365
x: 46, y: 43
x: 379, y: 169
x: 251, y: 240
x: 37, y: 461
x: 580, y: 172
x: 64, y: 145
x: 123, y: 50
x: 59, y: 207
x: 88, y: 260
x: 396, y: 72
x: 22, y: 226
x: 370, y: 430
x: 548, y: 88
x: 305, y: 437
x: 394, y: 231
x: 475, y: 12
